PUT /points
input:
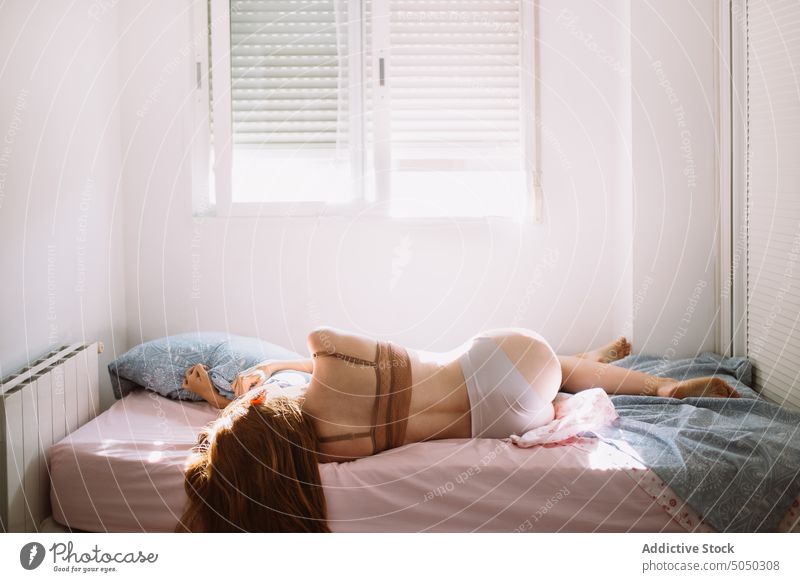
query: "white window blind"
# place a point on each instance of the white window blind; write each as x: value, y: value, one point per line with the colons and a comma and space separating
x: 773, y: 196
x: 413, y: 107
x: 285, y: 87
x: 456, y: 74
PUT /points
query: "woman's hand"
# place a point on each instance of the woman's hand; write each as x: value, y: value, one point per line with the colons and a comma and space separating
x: 197, y: 380
x: 250, y: 378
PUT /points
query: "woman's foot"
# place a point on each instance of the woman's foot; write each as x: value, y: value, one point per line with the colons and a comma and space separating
x: 707, y: 386
x: 614, y: 351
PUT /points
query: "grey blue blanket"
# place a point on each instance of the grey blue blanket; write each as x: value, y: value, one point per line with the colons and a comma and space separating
x: 735, y: 461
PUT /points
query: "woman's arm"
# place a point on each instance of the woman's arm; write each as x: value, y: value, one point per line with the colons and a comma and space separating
x: 304, y: 365
x: 258, y: 374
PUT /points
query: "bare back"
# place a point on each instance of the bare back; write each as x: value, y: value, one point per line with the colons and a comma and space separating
x: 341, y: 395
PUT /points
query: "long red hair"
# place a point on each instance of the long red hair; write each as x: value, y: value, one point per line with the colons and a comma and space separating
x: 255, y: 469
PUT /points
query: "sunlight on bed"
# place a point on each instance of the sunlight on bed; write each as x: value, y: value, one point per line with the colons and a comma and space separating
x: 604, y: 457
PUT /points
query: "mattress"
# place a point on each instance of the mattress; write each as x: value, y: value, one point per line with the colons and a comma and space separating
x: 123, y: 472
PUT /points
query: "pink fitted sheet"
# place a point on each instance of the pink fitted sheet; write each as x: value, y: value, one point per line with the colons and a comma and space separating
x: 123, y: 472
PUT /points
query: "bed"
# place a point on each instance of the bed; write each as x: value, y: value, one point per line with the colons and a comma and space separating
x: 123, y: 472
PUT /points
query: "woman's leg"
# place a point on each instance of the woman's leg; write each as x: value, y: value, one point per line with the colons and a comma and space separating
x: 581, y: 374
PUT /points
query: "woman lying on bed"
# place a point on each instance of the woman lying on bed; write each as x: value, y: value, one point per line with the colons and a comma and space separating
x: 255, y: 468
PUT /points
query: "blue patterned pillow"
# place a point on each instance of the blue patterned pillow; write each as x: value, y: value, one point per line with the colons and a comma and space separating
x: 160, y: 365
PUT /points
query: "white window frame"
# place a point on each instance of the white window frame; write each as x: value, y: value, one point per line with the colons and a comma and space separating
x: 212, y: 183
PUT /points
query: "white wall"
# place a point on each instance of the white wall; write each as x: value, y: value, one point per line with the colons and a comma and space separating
x: 430, y: 287
x: 675, y: 176
x: 60, y: 225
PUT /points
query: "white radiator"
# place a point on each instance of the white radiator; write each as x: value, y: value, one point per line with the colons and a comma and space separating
x: 39, y: 406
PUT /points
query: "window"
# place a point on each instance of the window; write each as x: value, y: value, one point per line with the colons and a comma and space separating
x: 393, y: 107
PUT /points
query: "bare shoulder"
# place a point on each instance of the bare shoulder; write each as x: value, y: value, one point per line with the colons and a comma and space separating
x: 328, y: 340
